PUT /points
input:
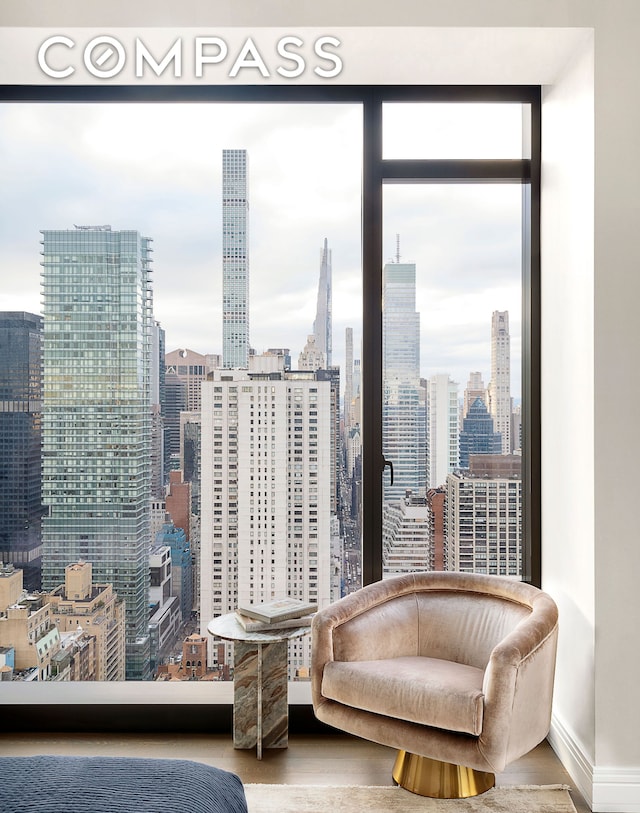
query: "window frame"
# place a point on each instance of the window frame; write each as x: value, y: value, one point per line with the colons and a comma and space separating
x: 377, y: 172
x: 110, y: 712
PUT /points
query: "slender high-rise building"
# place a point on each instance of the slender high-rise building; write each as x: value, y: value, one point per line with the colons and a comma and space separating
x: 348, y: 379
x: 20, y: 443
x: 98, y: 319
x: 235, y: 259
x: 400, y: 322
x: 403, y: 428
x: 175, y: 402
x: 159, y: 468
x: 442, y: 428
x: 357, y: 401
x: 500, y: 384
x: 322, y: 325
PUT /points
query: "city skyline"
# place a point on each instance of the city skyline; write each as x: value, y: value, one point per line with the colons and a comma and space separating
x: 305, y: 187
x: 90, y: 310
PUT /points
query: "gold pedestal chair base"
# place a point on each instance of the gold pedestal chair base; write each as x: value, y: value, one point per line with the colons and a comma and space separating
x: 439, y: 780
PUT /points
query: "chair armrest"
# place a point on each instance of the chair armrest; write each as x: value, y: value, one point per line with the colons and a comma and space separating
x: 518, y: 685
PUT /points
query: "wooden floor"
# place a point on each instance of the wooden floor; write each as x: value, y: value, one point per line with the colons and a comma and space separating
x: 309, y: 760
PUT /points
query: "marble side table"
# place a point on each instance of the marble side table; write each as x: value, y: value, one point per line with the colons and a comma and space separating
x: 260, y: 701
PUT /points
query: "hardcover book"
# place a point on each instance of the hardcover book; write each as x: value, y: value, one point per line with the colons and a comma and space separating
x: 253, y: 625
x: 279, y: 610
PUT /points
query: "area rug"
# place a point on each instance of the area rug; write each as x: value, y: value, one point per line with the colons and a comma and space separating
x: 391, y: 799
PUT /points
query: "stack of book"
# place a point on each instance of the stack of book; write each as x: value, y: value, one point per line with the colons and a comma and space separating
x: 283, y: 613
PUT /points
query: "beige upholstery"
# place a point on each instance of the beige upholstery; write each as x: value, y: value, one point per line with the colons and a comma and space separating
x: 452, y: 666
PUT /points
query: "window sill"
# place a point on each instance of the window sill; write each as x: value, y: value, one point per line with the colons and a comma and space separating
x: 186, y: 692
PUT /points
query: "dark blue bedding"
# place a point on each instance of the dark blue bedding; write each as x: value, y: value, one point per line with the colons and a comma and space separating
x: 55, y: 784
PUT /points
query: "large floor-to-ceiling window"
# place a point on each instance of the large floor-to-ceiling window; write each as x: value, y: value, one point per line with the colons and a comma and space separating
x: 374, y: 251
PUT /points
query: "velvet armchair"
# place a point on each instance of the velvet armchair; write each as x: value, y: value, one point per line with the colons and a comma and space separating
x: 454, y: 670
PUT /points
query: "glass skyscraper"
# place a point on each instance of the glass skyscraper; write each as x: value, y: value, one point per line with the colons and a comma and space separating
x: 477, y: 435
x: 98, y: 323
x: 20, y: 443
x: 235, y: 260
x: 403, y: 410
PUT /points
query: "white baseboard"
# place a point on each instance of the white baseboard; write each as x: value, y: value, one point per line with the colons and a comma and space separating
x: 572, y: 756
x: 616, y: 790
x: 606, y: 790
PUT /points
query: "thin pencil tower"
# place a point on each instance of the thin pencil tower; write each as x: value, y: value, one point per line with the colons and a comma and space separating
x: 235, y: 259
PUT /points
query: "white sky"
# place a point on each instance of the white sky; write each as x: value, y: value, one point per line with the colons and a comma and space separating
x: 157, y: 169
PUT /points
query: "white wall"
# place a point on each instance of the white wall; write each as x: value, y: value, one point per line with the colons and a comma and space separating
x: 591, y: 284
x: 617, y: 394
x: 567, y: 402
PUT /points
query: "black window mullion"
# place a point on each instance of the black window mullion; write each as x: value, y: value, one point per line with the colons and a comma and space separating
x: 371, y: 378
x: 468, y: 171
x: 531, y: 320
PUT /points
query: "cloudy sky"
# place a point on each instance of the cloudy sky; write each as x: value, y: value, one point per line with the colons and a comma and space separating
x: 157, y: 169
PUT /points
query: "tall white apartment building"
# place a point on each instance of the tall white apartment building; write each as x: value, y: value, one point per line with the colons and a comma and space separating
x: 442, y: 428
x: 483, y: 524
x: 500, y: 384
x: 266, y: 495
